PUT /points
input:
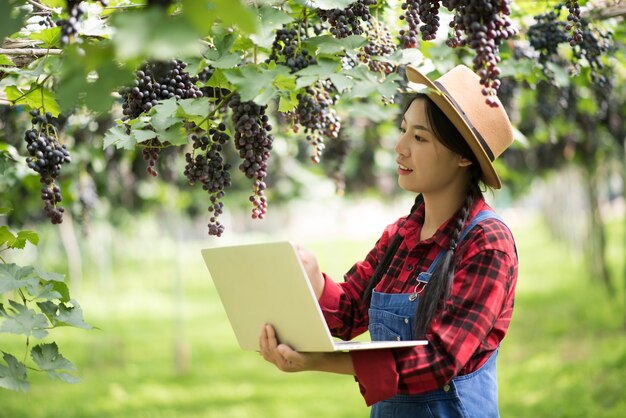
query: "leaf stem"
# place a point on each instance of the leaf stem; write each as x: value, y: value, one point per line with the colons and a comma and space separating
x: 223, y: 101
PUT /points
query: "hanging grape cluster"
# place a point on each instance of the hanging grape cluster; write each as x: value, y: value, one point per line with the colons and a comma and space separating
x: 348, y: 21
x: 315, y: 113
x: 546, y: 34
x: 482, y: 25
x: 206, y: 165
x: 287, y: 48
x: 254, y: 144
x: 410, y: 14
x: 573, y: 24
x: 380, y: 44
x: 47, y: 156
x: 69, y: 27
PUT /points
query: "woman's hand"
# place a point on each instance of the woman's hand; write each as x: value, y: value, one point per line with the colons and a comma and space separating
x: 282, y: 355
x: 312, y: 268
x: 288, y: 360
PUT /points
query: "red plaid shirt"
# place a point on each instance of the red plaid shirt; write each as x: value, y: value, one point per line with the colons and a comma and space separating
x: 462, y: 338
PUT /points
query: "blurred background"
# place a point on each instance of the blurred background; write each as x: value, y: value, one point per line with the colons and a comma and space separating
x: 129, y: 244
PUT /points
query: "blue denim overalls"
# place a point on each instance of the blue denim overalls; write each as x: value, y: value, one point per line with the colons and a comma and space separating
x: 474, y: 395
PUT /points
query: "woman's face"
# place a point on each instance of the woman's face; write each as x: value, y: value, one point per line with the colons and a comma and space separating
x: 425, y: 165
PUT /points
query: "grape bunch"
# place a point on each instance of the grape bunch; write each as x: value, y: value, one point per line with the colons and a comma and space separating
x: 254, y: 144
x: 287, y: 48
x: 546, y: 34
x: 380, y: 44
x: 335, y: 156
x: 573, y: 24
x: 482, y: 25
x: 47, y: 156
x: 206, y: 165
x: 316, y: 114
x: 150, y: 152
x: 408, y: 38
x: 69, y: 27
x: 593, y: 45
x: 346, y: 22
x: 157, y: 81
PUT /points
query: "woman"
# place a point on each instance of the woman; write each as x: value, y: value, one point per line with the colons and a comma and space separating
x: 446, y: 272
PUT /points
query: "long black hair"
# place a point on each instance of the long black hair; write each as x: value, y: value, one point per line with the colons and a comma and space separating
x: 437, y: 292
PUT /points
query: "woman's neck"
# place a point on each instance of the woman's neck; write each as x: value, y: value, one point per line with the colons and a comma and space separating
x: 438, y: 208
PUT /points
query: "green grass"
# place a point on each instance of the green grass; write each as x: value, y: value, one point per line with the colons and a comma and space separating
x: 565, y: 355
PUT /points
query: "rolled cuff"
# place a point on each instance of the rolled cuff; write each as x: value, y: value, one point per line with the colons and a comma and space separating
x: 376, y: 374
x: 329, y: 302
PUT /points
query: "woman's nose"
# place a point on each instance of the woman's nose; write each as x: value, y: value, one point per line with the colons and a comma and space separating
x: 401, y: 148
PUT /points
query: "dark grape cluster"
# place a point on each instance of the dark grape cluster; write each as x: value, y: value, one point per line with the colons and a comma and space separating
x: 380, y: 44
x: 593, y: 45
x: 428, y: 11
x: 150, y: 152
x: 573, y: 24
x: 158, y: 81
x: 206, y: 165
x: 335, y: 156
x: 346, y: 22
x: 316, y: 114
x: 47, y: 156
x: 69, y: 27
x: 288, y: 50
x: 410, y: 13
x: 546, y: 34
x: 482, y: 25
x: 254, y: 144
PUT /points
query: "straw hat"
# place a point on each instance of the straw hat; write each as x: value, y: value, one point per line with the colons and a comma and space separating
x: 487, y: 130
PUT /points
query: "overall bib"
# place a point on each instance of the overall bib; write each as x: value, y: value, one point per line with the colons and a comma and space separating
x: 475, y: 395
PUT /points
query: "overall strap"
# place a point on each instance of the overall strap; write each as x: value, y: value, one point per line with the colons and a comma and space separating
x: 480, y: 216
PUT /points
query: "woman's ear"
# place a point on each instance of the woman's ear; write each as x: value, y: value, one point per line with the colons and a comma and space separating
x: 464, y: 162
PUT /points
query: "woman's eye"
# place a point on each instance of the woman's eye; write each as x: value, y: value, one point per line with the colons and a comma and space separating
x: 419, y: 138
x: 402, y: 129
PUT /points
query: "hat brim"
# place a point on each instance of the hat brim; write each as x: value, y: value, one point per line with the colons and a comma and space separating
x: 443, y: 102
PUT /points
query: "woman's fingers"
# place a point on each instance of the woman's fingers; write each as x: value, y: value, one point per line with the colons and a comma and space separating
x: 281, y: 355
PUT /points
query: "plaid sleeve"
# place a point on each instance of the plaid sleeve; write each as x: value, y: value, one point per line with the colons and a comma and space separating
x: 341, y: 304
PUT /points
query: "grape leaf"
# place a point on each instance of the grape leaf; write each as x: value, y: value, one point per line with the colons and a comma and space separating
x: 22, y: 237
x: 341, y: 82
x: 322, y: 70
x: 117, y: 136
x: 327, y: 44
x: 71, y: 316
x: 50, y: 37
x: 5, y: 60
x: 49, y: 309
x: 271, y: 19
x: 34, y: 98
x: 13, y: 276
x: 24, y: 321
x: 50, y: 276
x: 219, y: 80
x: 287, y: 104
x: 11, y: 20
x: 164, y: 114
x: 13, y: 375
x: 142, y: 135
x: 5, y: 211
x: 6, y: 236
x: 175, y: 135
x: 194, y: 107
x: 252, y: 80
x: 48, y: 359
x: 230, y: 13
x: 42, y: 290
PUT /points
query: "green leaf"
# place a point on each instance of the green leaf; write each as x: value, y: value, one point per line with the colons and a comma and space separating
x: 13, y: 375
x: 5, y: 60
x: 13, y: 276
x: 117, y: 136
x: 327, y: 44
x: 271, y: 19
x: 194, y: 107
x: 50, y: 276
x: 49, y: 309
x: 287, y: 104
x: 142, y: 135
x: 252, y: 80
x: 332, y: 4
x: 285, y: 82
x: 411, y: 56
x: 24, y: 321
x: 322, y: 70
x: 151, y: 34
x: 226, y: 61
x: 71, y: 316
x: 341, y: 82
x: 174, y: 135
x: 22, y: 237
x: 164, y: 114
x: 35, y: 97
x: 12, y: 20
x: 50, y: 37
x: 6, y: 237
x: 219, y: 80
x: 48, y: 359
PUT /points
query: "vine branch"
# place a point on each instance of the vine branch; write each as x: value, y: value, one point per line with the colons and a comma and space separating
x: 37, y: 52
x: 39, y: 5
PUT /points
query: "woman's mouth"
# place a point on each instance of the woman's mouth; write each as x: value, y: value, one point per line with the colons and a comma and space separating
x: 402, y: 170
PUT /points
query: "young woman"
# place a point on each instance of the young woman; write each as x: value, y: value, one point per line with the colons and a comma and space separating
x: 446, y: 272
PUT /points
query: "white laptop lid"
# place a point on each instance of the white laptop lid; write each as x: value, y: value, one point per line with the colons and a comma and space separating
x: 266, y: 284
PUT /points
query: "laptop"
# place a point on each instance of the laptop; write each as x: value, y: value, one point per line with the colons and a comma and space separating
x: 266, y: 284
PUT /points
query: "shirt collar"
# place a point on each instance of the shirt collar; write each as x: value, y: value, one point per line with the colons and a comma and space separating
x: 412, y: 227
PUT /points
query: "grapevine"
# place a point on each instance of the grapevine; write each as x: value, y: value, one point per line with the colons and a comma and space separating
x: 348, y: 21
x: 287, y: 48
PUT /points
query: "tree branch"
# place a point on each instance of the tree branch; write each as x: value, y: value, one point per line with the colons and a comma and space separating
x: 39, y: 5
x: 604, y: 13
x: 36, y: 52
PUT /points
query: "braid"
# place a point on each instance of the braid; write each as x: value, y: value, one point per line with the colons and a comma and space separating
x: 384, y: 263
x: 440, y: 284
